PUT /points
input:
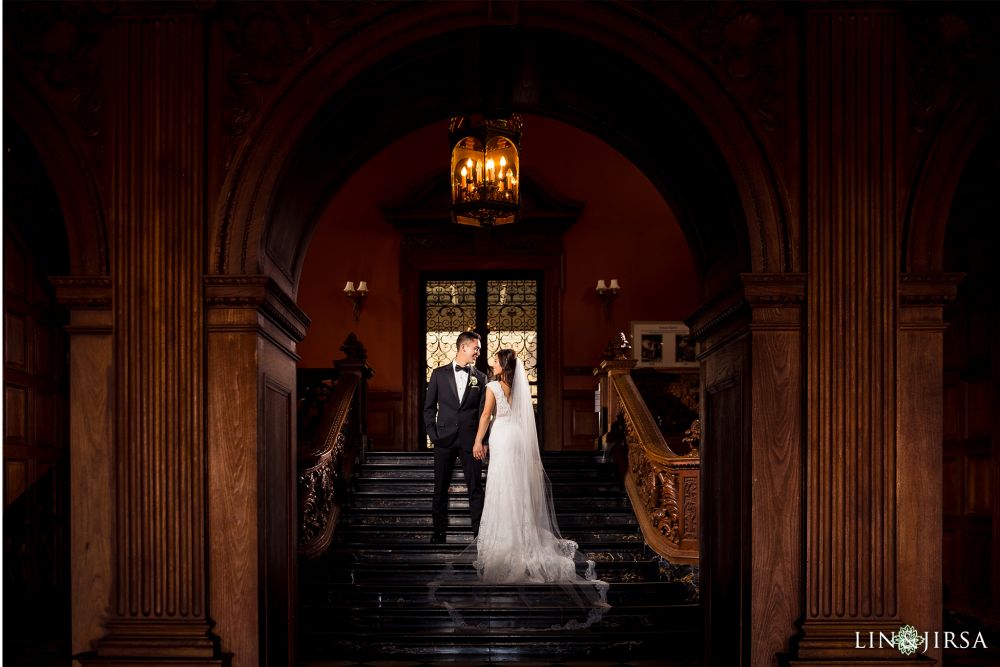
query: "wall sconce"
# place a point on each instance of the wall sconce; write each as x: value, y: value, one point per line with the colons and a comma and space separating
x: 608, y: 294
x: 356, y: 295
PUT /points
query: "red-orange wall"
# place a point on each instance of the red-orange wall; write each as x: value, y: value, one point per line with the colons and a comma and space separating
x: 626, y: 232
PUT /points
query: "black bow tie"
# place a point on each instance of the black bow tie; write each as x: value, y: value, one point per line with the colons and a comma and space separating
x: 461, y: 369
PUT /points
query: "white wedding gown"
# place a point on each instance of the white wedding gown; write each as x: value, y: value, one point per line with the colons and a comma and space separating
x: 518, y: 541
x: 519, y: 558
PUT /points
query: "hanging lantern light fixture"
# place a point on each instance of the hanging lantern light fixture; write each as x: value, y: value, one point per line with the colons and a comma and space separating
x: 485, y: 170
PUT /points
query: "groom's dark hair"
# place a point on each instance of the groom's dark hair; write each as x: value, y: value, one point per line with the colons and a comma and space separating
x: 466, y: 337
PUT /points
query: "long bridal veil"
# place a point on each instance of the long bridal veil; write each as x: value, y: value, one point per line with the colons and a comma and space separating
x: 520, y: 561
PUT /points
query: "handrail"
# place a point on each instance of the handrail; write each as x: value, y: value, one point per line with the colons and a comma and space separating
x: 662, y: 485
x: 321, y: 466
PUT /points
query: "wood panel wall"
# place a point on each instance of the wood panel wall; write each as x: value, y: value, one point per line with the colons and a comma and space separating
x: 580, y: 429
x: 37, y: 547
x: 385, y: 421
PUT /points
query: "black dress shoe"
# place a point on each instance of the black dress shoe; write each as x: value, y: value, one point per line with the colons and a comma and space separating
x: 438, y: 538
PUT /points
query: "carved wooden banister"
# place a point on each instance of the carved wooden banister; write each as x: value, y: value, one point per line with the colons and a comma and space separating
x: 327, y: 459
x: 662, y: 485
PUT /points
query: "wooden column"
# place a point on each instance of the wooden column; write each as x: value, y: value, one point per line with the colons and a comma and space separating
x: 253, y: 328
x: 852, y: 522
x: 751, y: 484
x: 156, y: 214
x: 91, y: 438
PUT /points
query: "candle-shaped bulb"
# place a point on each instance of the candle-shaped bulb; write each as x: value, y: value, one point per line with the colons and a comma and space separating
x: 601, y: 285
x: 614, y: 283
x: 349, y: 287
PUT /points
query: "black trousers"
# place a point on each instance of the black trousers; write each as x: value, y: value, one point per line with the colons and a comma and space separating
x: 444, y: 468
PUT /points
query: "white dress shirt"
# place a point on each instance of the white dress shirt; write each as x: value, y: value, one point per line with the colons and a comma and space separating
x: 461, y: 379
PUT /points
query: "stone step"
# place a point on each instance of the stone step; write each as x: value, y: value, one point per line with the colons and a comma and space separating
x: 560, y: 489
x: 479, y: 596
x: 427, y: 458
x: 443, y: 622
x: 459, y: 503
x: 466, y: 647
x: 368, y: 599
x: 361, y: 535
x: 347, y: 569
x: 400, y: 517
x: 424, y: 473
x: 409, y: 564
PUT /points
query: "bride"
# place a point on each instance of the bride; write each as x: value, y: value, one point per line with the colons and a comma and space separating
x: 518, y: 538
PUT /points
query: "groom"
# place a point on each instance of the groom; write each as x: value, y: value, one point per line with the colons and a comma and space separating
x: 455, y: 396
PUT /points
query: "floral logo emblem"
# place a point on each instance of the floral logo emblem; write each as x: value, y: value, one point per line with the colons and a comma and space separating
x: 907, y: 640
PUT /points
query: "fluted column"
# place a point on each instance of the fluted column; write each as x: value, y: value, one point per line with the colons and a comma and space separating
x: 851, y: 581
x: 158, y: 609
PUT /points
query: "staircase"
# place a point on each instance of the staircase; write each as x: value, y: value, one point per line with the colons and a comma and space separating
x: 366, y: 598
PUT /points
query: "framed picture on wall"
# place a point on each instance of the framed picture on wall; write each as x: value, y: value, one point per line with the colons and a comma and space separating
x: 662, y: 345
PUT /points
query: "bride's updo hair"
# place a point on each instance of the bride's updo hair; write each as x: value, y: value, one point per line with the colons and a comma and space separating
x: 508, y: 362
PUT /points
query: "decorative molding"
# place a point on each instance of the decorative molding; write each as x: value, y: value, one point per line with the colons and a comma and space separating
x: 267, y: 41
x: 657, y: 479
x: 260, y: 293
x: 59, y: 40
x: 948, y: 51
x: 754, y: 290
x: 83, y: 292
x: 933, y: 289
x: 741, y: 41
x: 327, y: 460
x: 317, y: 491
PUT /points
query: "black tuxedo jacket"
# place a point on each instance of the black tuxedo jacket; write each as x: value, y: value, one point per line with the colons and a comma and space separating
x: 446, y: 419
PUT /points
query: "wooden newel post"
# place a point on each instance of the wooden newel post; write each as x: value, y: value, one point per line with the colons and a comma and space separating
x: 610, y: 401
x: 355, y: 361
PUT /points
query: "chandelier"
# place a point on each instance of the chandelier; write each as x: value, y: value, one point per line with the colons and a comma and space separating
x: 485, y: 164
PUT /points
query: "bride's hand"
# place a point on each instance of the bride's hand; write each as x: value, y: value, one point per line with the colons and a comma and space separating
x: 478, y: 451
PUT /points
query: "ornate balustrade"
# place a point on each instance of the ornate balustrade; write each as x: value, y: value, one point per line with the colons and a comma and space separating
x: 332, y: 421
x: 662, y: 484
